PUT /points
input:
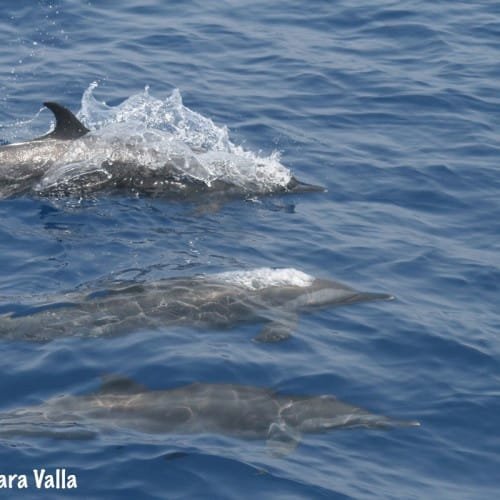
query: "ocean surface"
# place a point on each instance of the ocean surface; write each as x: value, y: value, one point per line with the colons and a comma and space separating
x: 393, y: 107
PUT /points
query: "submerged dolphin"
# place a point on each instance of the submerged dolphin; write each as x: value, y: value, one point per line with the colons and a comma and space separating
x: 271, y: 296
x: 233, y: 410
x: 29, y: 166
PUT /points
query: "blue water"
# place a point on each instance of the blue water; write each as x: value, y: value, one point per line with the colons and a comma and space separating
x: 393, y: 106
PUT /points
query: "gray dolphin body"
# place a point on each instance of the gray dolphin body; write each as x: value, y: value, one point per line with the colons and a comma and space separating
x: 23, y: 165
x: 274, y: 297
x: 233, y: 410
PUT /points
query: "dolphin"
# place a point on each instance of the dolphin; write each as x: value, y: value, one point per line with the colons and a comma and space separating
x: 200, y: 408
x: 272, y: 297
x: 70, y: 160
x: 24, y: 163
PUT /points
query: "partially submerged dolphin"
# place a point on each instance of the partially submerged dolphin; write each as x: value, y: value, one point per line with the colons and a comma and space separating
x: 273, y: 297
x: 24, y: 163
x: 71, y: 160
x: 233, y: 410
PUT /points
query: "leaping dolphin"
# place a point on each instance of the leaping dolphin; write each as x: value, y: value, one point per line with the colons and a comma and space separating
x: 70, y: 160
x: 233, y: 410
x: 273, y: 297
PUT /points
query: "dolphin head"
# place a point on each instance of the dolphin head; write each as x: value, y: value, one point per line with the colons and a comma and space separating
x: 296, y: 186
x: 295, y: 290
x: 323, y: 293
x: 320, y: 413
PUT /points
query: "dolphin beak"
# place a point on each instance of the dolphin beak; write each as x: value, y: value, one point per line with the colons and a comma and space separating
x: 296, y: 186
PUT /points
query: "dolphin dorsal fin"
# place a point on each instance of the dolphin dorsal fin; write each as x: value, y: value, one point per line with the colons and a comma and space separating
x: 68, y: 126
x: 120, y: 384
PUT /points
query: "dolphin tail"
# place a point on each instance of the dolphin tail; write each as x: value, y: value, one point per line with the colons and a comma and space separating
x: 33, y: 424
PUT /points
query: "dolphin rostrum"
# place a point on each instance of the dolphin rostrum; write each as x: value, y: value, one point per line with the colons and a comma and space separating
x: 199, y: 408
x: 273, y: 297
x: 70, y: 160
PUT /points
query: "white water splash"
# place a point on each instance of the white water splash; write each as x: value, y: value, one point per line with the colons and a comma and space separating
x: 256, y: 279
x: 150, y: 131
